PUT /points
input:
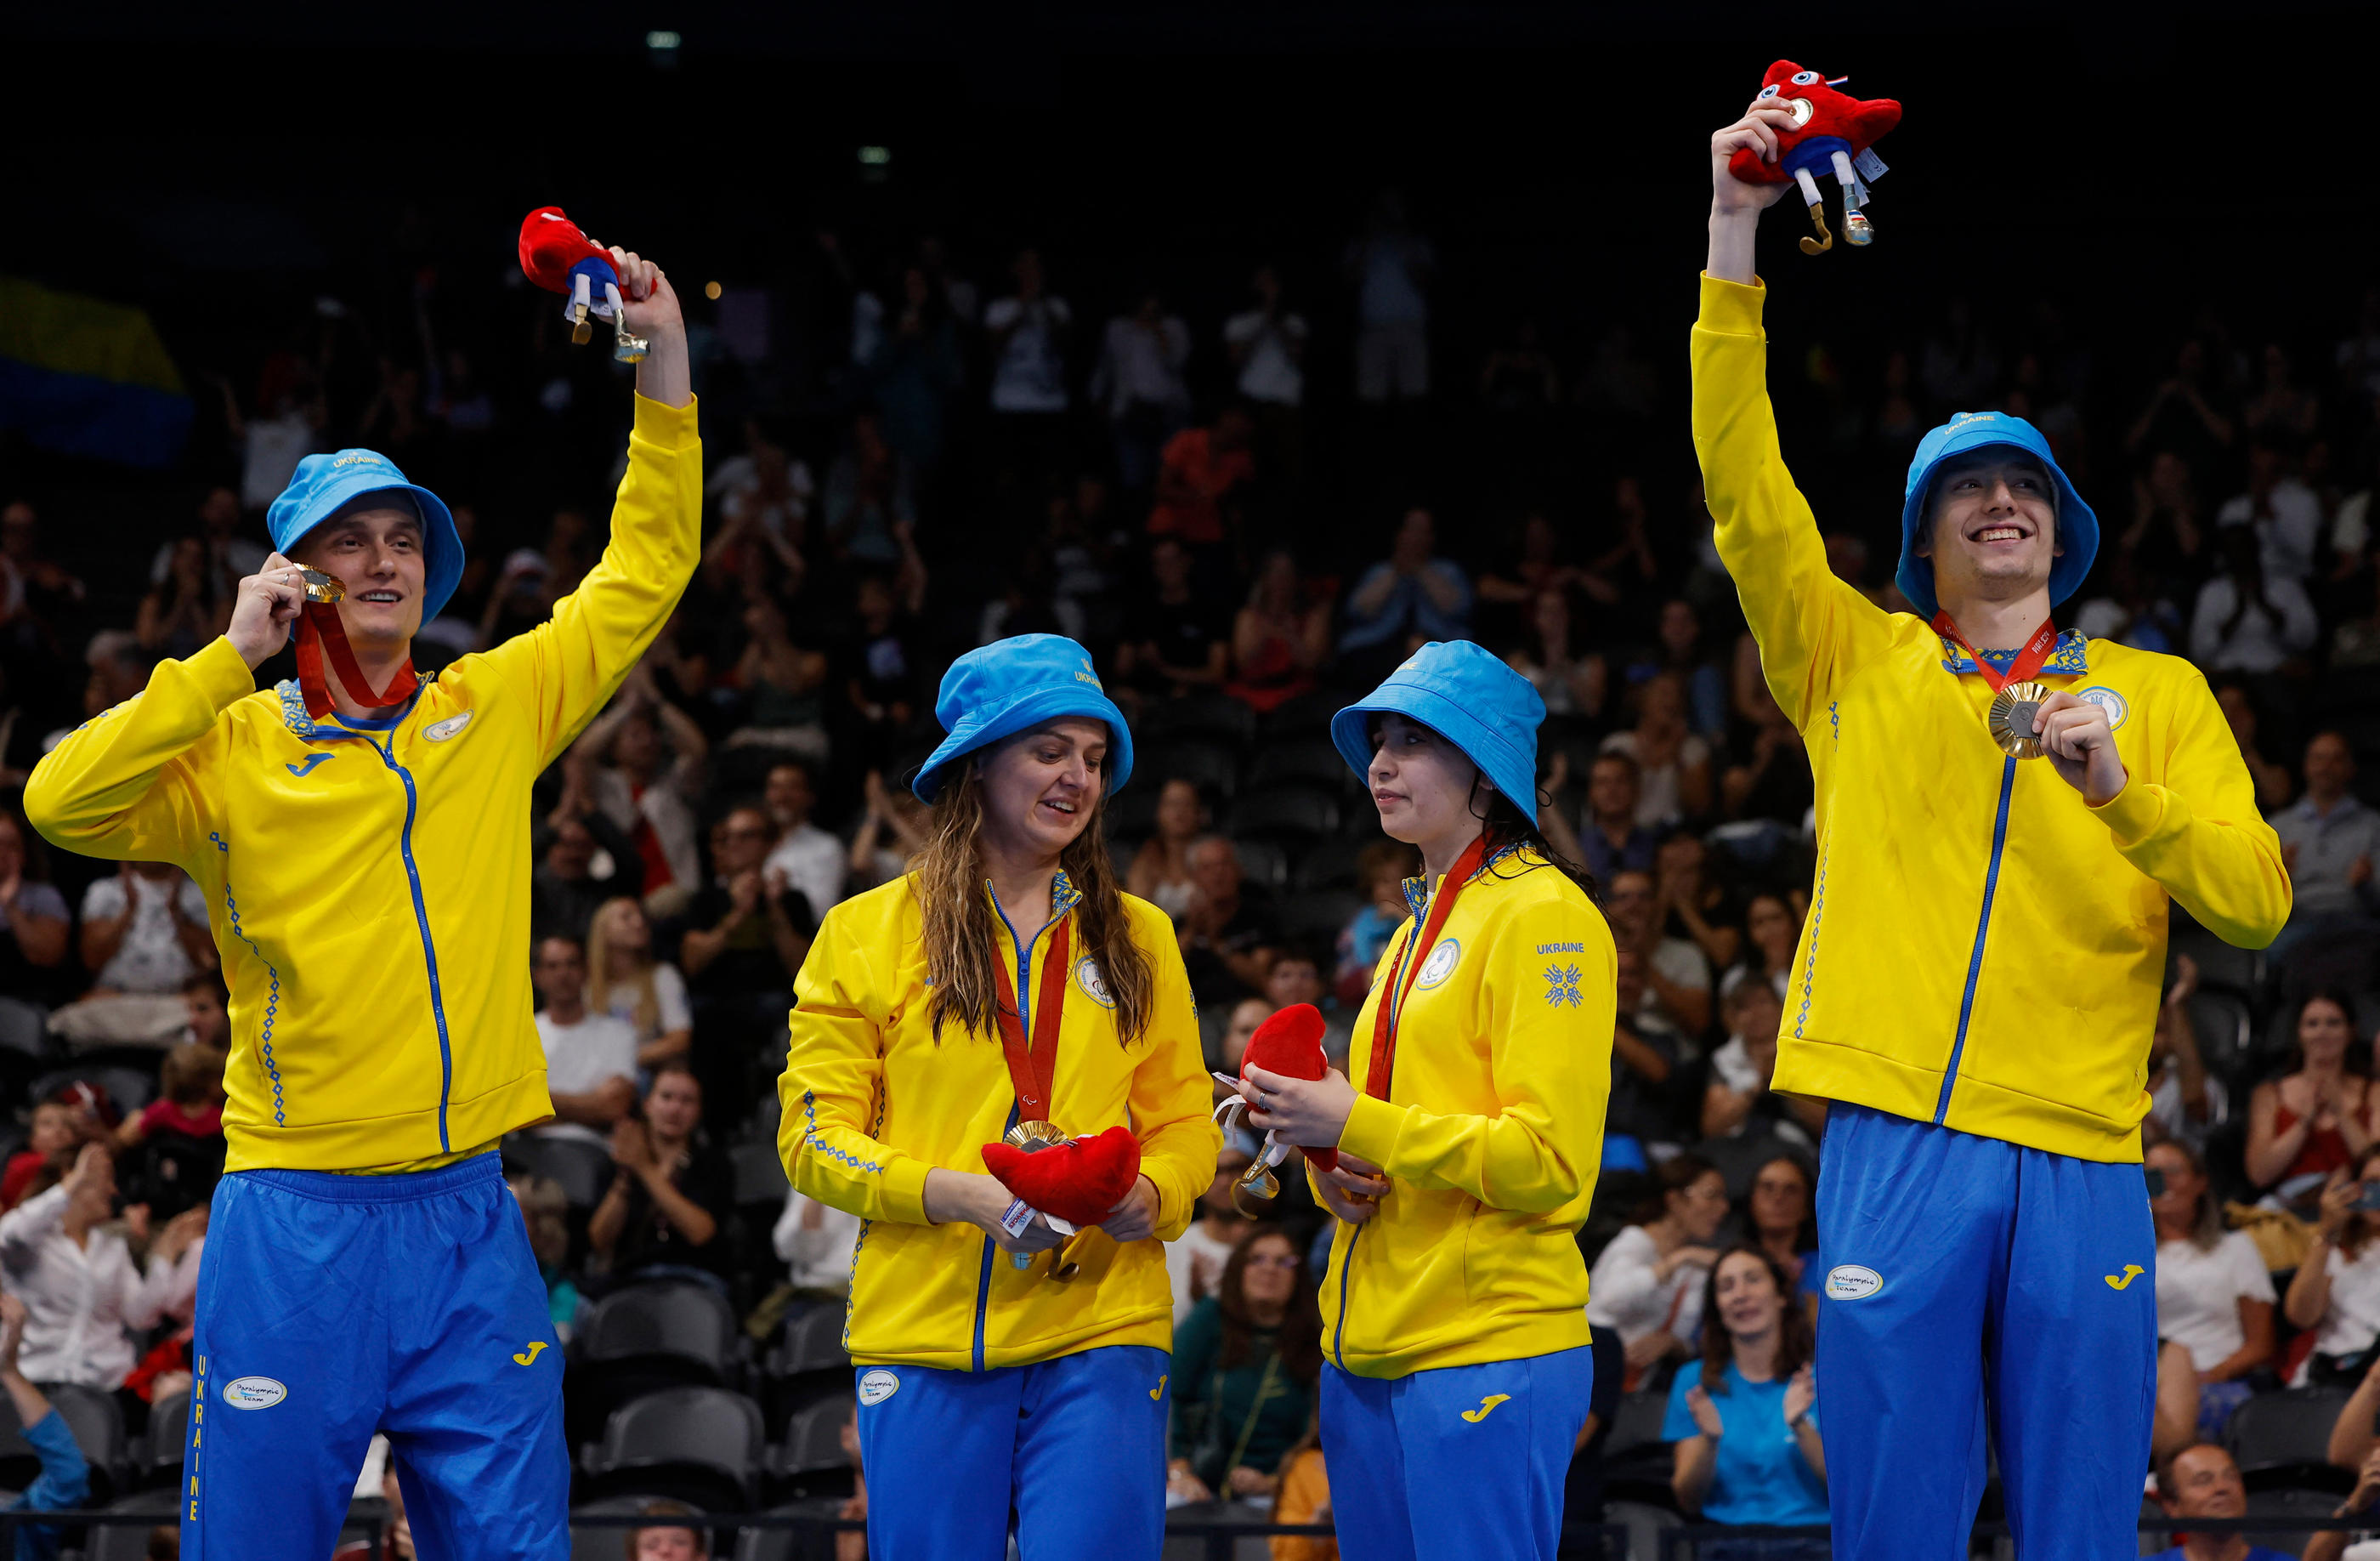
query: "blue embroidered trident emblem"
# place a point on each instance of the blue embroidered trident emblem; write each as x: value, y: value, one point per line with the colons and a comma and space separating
x: 1562, y: 985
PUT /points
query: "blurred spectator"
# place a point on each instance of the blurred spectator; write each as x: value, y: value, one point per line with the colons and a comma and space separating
x: 882, y: 657
x: 2185, y: 415
x: 231, y: 553
x: 1028, y: 332
x: 2317, y: 1116
x: 1571, y: 683
x: 2245, y: 620
x: 763, y: 494
x: 522, y: 597
x: 1266, y: 345
x: 1161, y: 869
x: 1304, y: 1497
x: 1199, y: 471
x: 1624, y: 577
x: 1768, y: 775
x: 1677, y: 980
x: 650, y: 790
x: 1194, y: 1259
x: 2185, y: 1101
x: 564, y: 891
x: 1781, y: 1218
x: 2329, y: 842
x: 1411, y: 596
x: 1738, y: 1099
x: 806, y: 857
x: 1695, y: 905
x: 1673, y: 765
x: 50, y: 1138
x: 1279, y: 640
x: 817, y: 1243
x: 683, y: 1542
x: 33, y: 917
x: 2281, y: 408
x: 2274, y: 784
x: 2281, y: 512
x: 1647, y: 1284
x: 671, y: 1193
x: 186, y: 609
x: 545, y: 1213
x: 914, y: 371
x: 590, y: 1058
x: 1538, y: 568
x: 870, y: 498
x: 784, y: 687
x: 1642, y: 1062
x: 2335, y: 1292
x: 1390, y: 266
x: 1680, y: 652
x: 1138, y: 384
x: 892, y: 830
x: 1246, y: 1363
x: 77, y: 1276
x: 34, y: 587
x: 1772, y: 932
x: 1613, y: 840
x: 1239, y: 1028
x: 1745, y: 1425
x: 1179, y: 643
x: 1227, y: 934
x: 190, y: 1100
x: 1296, y: 977
x: 144, y: 930
x: 2166, y: 544
x: 1382, y: 868
x: 627, y: 982
x: 740, y: 944
x: 2213, y: 1292
x: 2202, y: 1480
x: 65, y: 1478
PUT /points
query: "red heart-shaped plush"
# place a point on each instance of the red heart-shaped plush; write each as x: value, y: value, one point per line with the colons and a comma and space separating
x: 1291, y: 1043
x: 1081, y: 1181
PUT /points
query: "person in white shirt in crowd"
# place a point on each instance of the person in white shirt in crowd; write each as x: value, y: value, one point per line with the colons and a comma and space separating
x: 1677, y: 1003
x: 649, y: 788
x: 804, y: 857
x: 2245, y: 620
x: 1268, y: 346
x: 1138, y: 385
x: 816, y: 1241
x: 1648, y: 1285
x: 75, y: 1272
x: 144, y: 930
x: 1390, y: 266
x: 2330, y: 842
x: 590, y: 1058
x: 1194, y: 1259
x: 1738, y: 1101
x: 2283, y: 513
x: 2336, y: 1290
x: 1028, y: 332
x: 625, y: 981
x: 2213, y: 1294
x: 2185, y: 1101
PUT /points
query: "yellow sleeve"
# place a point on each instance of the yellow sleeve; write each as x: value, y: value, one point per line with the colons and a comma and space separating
x: 1552, y: 1060
x: 135, y: 783
x: 1172, y: 1099
x: 572, y: 664
x: 831, y: 1091
x: 1805, y: 619
x: 2198, y: 833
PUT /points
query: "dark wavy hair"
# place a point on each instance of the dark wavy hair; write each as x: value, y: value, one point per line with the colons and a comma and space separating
x: 1299, y: 1341
x: 1796, y: 1343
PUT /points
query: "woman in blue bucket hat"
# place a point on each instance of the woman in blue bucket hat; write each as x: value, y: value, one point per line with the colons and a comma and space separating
x: 1006, y: 986
x: 1455, y: 1323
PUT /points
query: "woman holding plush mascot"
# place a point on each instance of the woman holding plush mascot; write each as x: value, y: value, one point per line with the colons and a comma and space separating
x: 993, y: 1007
x: 1454, y: 1329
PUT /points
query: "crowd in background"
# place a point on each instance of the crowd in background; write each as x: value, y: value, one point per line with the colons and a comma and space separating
x: 962, y: 451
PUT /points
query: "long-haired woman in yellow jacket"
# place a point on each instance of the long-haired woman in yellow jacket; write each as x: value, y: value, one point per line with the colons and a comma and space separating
x: 1455, y: 1323
x: 1007, y: 981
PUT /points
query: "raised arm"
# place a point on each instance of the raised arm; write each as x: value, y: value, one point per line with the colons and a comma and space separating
x: 570, y: 665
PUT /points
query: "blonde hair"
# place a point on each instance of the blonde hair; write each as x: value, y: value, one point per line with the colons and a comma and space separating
x: 601, y: 977
x: 960, y: 938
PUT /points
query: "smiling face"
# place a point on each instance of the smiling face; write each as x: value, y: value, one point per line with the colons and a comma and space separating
x: 1993, y: 534
x: 1700, y: 1207
x: 1040, y: 788
x: 674, y: 1106
x: 378, y: 554
x: 1749, y: 1302
x: 1421, y: 783
x: 2205, y: 1483
x: 2324, y: 1030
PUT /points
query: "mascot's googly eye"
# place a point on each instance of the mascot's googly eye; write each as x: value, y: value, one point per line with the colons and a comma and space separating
x: 1805, y: 77
x: 1770, y: 92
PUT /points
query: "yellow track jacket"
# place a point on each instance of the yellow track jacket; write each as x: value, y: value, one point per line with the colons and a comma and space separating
x: 872, y: 1101
x: 1491, y: 1135
x: 1984, y: 949
x: 371, y: 886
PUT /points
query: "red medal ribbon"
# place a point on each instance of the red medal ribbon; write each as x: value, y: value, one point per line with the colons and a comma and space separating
x: 319, y: 631
x: 1384, y: 1019
x: 1034, y: 1072
x: 2028, y: 661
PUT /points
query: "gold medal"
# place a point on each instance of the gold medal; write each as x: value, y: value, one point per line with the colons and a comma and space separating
x: 2014, y: 709
x: 321, y: 587
x: 1033, y: 1136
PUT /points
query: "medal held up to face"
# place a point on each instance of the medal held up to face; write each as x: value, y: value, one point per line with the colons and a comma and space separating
x: 1289, y: 1043
x: 2014, y: 709
x: 559, y: 258
x: 1833, y: 132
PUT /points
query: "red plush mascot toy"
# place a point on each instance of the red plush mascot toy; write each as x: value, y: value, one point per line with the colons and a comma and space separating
x: 1288, y: 1044
x: 1832, y: 131
x: 1071, y: 1183
x: 559, y: 258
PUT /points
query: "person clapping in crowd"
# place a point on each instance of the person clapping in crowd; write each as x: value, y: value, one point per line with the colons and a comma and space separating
x: 1648, y: 1285
x: 1745, y: 1424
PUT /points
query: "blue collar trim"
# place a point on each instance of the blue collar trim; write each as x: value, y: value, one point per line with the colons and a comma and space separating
x: 294, y: 716
x: 2070, y: 657
x: 1418, y: 889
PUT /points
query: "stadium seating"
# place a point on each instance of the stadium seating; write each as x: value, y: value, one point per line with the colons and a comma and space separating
x: 156, y: 1456
x: 702, y: 1445
x: 644, y: 1338
x: 130, y: 1541
x: 582, y: 1169
x: 810, y: 1461
x: 98, y: 1427
x: 2283, y: 1439
x: 787, y: 1545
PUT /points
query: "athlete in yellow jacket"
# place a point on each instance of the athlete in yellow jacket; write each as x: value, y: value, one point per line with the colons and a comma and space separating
x: 369, y: 872
x: 1469, y: 1131
x: 1979, y: 974
x: 1006, y: 979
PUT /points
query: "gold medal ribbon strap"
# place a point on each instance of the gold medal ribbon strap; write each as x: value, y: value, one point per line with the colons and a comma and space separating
x: 1382, y: 1066
x: 319, y: 633
x: 2016, y: 699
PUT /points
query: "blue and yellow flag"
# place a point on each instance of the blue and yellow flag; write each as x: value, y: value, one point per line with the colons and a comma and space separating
x: 86, y: 377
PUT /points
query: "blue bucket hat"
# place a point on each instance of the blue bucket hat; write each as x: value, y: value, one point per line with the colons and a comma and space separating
x: 1469, y: 697
x: 325, y: 484
x: 1012, y: 685
x: 2077, y: 528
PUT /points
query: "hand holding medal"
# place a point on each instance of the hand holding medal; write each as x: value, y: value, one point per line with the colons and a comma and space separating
x: 2028, y: 721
